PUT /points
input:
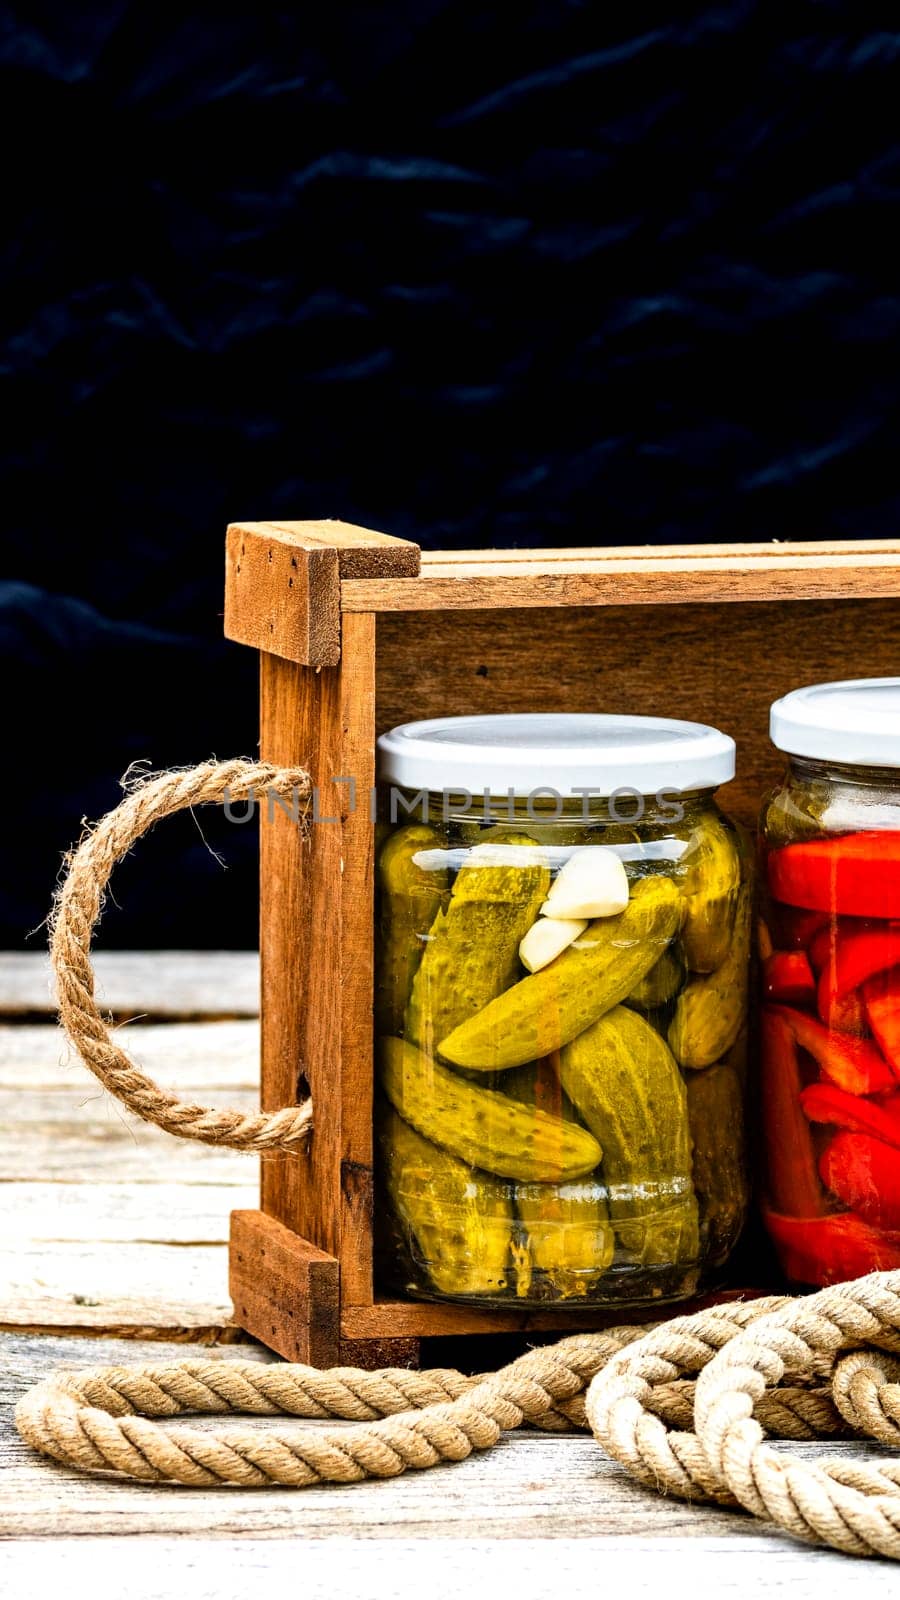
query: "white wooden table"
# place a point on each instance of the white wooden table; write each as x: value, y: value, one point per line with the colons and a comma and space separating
x: 113, y: 1249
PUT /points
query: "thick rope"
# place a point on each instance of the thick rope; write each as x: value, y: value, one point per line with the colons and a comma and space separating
x: 684, y: 1406
x: 849, y: 1505
x: 94, y: 1420
x: 78, y: 906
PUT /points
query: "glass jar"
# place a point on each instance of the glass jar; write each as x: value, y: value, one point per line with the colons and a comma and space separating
x: 830, y: 949
x: 562, y: 943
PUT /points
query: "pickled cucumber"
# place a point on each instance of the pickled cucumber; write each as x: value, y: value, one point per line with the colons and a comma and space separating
x: 623, y: 1079
x: 545, y: 1010
x: 537, y: 1084
x: 711, y: 884
x: 481, y: 1126
x: 660, y: 984
x: 472, y: 951
x: 710, y: 1012
x: 457, y: 1223
x: 409, y: 900
x: 716, y: 1112
x: 568, y: 1233
x: 662, y: 1234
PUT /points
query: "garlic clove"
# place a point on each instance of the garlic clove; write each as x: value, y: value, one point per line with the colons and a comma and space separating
x: 592, y: 883
x: 547, y: 939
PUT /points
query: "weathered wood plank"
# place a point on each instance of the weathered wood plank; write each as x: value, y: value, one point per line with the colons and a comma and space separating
x: 158, y: 983
x: 610, y: 579
x: 108, y: 1213
x: 97, y: 1285
x: 587, y: 555
x: 210, y: 1056
x: 345, y: 1567
x: 316, y: 937
x: 80, y: 1134
x: 109, y: 1222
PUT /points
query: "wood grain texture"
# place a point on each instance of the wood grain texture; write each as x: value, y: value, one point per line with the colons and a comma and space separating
x: 357, y: 960
x: 281, y: 595
x: 721, y: 664
x: 652, y: 577
x: 361, y: 552
x: 422, y: 1319
x: 345, y: 1565
x: 110, y: 1286
x: 79, y: 1134
x: 282, y: 583
x: 316, y: 943
x: 285, y: 1291
x: 107, y: 1222
x: 132, y: 983
x: 101, y: 1214
x: 213, y: 1056
x: 590, y: 555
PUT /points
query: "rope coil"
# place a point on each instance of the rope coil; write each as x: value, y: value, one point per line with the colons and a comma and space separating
x: 77, y: 911
x: 684, y: 1406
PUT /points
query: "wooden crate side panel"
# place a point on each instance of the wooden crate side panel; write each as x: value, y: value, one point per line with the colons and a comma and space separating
x: 285, y: 1291
x: 315, y: 946
x: 721, y: 664
x: 357, y: 955
x: 809, y: 550
x: 656, y: 577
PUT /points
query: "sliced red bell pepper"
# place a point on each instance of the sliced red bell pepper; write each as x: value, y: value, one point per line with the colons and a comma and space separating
x: 824, y: 1102
x: 851, y: 874
x: 865, y: 1174
x: 847, y: 1013
x: 788, y: 976
x: 797, y: 929
x: 853, y: 1064
x: 881, y: 998
x: 821, y: 945
x: 857, y: 955
x: 823, y: 1250
x: 793, y: 1185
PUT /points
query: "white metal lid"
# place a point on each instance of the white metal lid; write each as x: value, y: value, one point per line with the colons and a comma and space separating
x: 857, y: 721
x: 537, y: 751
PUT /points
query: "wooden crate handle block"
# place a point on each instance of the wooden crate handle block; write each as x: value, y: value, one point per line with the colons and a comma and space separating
x: 283, y: 583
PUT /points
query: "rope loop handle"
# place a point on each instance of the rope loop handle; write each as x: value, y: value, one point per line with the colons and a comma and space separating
x: 77, y: 909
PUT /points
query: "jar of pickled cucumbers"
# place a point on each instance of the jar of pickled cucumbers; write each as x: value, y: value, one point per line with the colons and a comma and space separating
x: 830, y: 947
x: 562, y: 940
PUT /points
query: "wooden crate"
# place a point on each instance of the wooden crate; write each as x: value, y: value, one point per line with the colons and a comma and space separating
x: 356, y: 633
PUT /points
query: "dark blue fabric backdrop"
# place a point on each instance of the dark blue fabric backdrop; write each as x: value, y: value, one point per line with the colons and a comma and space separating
x: 471, y: 273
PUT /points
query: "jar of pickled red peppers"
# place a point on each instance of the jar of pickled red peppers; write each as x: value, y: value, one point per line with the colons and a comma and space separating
x: 829, y: 939
x: 562, y: 943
